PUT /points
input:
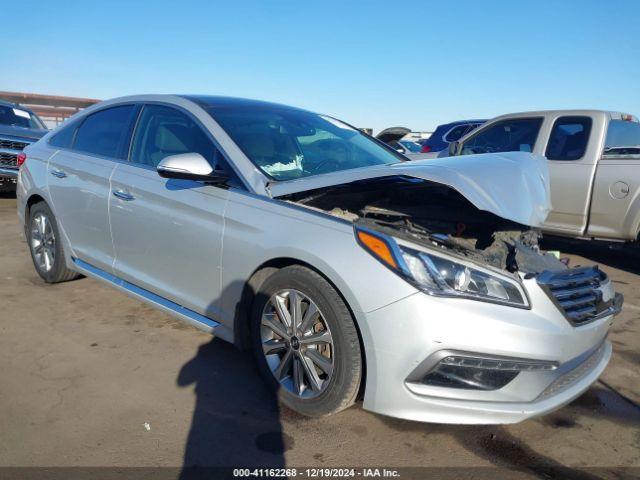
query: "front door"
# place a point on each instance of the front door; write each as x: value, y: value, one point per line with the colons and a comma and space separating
x: 168, y: 233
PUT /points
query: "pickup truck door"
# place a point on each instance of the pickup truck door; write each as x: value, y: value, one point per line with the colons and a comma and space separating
x: 572, y: 146
x: 167, y: 233
x: 615, y: 204
x: 78, y: 181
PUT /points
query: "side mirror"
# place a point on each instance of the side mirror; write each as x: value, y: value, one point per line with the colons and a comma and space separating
x: 453, y: 148
x: 189, y: 166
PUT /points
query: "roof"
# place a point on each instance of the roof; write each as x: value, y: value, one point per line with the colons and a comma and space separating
x: 462, y: 122
x: 214, y: 101
x: 563, y: 112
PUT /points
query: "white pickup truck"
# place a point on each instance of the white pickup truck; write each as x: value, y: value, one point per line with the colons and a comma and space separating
x: 594, y: 166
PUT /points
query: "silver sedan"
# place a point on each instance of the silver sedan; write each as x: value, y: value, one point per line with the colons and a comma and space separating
x: 419, y: 286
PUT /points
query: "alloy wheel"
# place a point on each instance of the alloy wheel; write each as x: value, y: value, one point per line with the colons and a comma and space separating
x: 43, y: 242
x: 297, y: 343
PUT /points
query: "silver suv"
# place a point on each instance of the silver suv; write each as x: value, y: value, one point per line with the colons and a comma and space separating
x: 346, y: 270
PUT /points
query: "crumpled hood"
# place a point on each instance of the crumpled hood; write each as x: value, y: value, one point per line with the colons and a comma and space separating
x: 511, y: 185
x: 20, y: 132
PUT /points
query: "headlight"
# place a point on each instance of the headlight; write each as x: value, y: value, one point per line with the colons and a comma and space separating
x: 441, y: 275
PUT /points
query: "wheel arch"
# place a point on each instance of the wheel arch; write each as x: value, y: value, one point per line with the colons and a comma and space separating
x: 31, y: 201
x: 242, y: 316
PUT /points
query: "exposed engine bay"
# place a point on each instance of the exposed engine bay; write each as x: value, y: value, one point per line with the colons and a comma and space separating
x: 435, y: 215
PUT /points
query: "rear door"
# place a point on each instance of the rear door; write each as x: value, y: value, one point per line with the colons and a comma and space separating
x: 572, y: 152
x: 615, y: 207
x: 167, y: 233
x: 78, y: 178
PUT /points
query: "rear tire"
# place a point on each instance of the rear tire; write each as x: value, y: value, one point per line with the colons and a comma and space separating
x: 321, y: 377
x: 45, y: 245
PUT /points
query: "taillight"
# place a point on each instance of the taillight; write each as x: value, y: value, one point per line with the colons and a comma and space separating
x: 22, y: 157
x: 425, y: 149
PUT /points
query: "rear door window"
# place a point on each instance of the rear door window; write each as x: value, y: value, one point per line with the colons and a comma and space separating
x: 623, y: 138
x: 514, y: 135
x: 106, y: 132
x: 569, y: 138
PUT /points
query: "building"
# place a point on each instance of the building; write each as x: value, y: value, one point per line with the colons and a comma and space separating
x: 52, y: 109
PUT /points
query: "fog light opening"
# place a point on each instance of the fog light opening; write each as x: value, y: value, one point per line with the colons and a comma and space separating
x: 478, y: 373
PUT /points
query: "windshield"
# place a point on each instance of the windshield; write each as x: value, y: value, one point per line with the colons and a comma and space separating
x: 19, y: 118
x: 287, y: 144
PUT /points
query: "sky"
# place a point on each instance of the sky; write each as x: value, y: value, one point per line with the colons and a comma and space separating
x: 373, y: 64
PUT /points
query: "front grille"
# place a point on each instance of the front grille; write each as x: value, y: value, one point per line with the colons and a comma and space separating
x: 576, y: 291
x: 12, y: 144
x: 8, y: 160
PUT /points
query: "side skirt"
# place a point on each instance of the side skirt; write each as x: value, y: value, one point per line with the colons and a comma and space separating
x: 199, y: 321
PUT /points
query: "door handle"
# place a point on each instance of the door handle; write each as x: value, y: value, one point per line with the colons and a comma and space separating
x: 122, y: 195
x: 58, y: 173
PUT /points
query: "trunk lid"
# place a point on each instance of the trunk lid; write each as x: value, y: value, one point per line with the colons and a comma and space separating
x: 393, y: 133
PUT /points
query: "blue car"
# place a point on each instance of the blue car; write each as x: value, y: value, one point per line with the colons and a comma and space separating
x: 447, y: 133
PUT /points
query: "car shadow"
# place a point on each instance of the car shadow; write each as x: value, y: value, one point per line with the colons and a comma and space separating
x: 622, y: 257
x: 236, y: 420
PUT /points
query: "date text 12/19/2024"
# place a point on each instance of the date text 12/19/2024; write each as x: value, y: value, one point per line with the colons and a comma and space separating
x: 316, y: 472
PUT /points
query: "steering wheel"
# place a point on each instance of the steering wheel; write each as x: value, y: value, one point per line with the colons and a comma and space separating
x: 317, y: 168
x: 332, y: 147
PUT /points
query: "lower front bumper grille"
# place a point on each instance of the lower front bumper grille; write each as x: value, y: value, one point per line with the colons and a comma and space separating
x: 573, y: 376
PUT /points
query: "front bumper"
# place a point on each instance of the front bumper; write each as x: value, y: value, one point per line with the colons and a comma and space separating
x: 8, y: 173
x: 401, y: 337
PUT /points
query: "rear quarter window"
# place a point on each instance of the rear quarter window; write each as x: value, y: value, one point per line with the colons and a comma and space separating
x: 64, y: 138
x: 623, y: 138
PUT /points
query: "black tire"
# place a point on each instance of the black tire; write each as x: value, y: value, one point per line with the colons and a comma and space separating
x: 343, y: 385
x: 58, y: 272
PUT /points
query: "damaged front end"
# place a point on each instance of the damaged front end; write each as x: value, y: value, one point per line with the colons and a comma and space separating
x: 437, y: 239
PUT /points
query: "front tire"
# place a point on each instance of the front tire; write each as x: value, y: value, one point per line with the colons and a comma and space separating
x: 45, y: 245
x: 305, y: 342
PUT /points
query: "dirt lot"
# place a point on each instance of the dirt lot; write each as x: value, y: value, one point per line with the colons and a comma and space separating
x: 91, y: 377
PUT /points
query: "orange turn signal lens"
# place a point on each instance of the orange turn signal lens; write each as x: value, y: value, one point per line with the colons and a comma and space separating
x: 377, y: 247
